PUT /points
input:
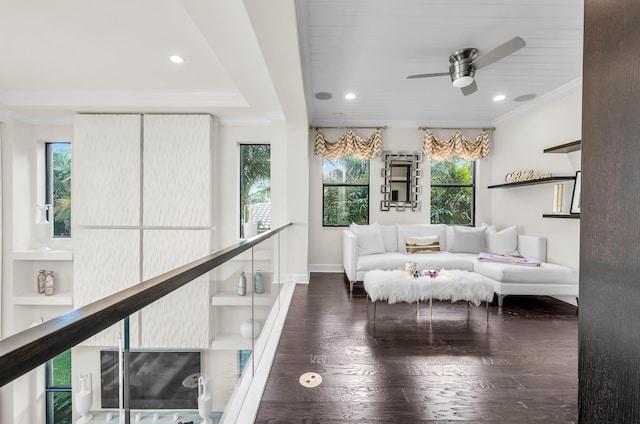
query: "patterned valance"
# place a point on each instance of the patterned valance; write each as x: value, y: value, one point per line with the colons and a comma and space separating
x: 457, y: 145
x: 349, y: 145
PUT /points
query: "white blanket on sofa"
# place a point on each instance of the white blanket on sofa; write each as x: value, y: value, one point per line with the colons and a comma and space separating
x: 396, y: 286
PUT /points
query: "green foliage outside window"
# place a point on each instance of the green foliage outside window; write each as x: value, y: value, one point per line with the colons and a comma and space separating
x: 452, y: 191
x: 59, y: 187
x: 59, y: 405
x: 345, y: 191
x: 255, y: 180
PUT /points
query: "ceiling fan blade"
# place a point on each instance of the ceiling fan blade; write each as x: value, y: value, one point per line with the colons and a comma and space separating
x: 470, y: 89
x: 437, y: 74
x: 499, y: 52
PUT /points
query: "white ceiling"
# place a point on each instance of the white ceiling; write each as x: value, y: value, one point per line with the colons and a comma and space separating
x: 243, y: 59
x: 66, y: 56
x: 369, y: 47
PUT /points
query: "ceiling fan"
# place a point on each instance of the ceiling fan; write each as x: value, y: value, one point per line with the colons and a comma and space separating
x: 464, y: 63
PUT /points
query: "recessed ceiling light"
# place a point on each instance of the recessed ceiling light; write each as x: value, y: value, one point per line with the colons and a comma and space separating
x: 524, y: 97
x: 176, y: 59
x: 499, y: 98
x: 323, y: 95
x: 350, y: 96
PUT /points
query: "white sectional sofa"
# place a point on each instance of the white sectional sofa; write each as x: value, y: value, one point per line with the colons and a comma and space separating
x: 369, y: 247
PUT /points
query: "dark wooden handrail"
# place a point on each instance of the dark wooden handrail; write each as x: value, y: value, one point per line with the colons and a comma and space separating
x: 24, y: 351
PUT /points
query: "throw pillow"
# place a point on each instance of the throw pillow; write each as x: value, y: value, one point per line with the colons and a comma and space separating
x: 369, y: 238
x: 389, y: 237
x: 418, y: 230
x: 468, y: 239
x: 428, y: 244
x: 502, y: 242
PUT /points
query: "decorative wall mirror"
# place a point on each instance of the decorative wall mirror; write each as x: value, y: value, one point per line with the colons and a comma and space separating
x: 401, y: 186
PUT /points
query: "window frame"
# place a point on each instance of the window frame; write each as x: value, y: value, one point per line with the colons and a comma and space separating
x: 48, y: 180
x: 367, y: 185
x: 239, y: 162
x: 456, y: 185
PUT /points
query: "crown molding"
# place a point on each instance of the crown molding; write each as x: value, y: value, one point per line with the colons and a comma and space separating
x: 10, y: 115
x: 549, y: 97
x: 400, y: 124
x: 121, y: 98
x: 244, y: 122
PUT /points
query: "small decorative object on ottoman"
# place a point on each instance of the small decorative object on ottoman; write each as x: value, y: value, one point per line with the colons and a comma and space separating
x: 410, y: 268
x: 432, y: 273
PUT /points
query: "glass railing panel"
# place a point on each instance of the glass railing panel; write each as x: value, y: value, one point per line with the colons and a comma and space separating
x: 202, y: 338
x: 241, y: 300
x: 264, y: 296
x: 96, y: 372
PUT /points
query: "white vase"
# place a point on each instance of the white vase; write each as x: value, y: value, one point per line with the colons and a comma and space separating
x: 250, y: 229
x: 205, y: 401
x: 250, y: 328
x: 84, y: 398
x: 43, y: 228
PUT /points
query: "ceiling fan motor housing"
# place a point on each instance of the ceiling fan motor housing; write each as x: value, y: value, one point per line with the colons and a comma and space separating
x: 461, y: 66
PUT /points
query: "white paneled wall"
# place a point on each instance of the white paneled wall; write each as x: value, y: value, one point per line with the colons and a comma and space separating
x: 177, y: 170
x: 106, y: 170
x: 181, y: 318
x: 106, y: 260
x: 169, y: 156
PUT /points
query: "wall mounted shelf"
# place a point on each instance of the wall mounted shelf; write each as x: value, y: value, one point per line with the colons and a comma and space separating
x: 549, y: 180
x: 231, y: 342
x: 58, y: 299
x: 574, y: 146
x: 562, y: 215
x: 43, y: 255
x: 232, y: 299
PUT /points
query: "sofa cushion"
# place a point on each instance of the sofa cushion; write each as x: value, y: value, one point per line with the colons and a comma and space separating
x: 369, y: 238
x: 418, y: 230
x: 546, y: 273
x: 427, y: 244
x: 468, y: 239
x: 389, y: 260
x: 448, y: 237
x: 502, y: 242
x: 440, y: 260
x: 389, y: 237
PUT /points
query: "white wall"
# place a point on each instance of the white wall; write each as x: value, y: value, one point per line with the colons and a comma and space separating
x: 22, y: 157
x: 518, y: 144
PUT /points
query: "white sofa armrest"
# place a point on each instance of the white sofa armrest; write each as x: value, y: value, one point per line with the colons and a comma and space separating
x: 532, y: 247
x: 350, y: 254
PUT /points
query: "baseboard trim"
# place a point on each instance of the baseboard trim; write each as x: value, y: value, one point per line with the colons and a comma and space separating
x: 326, y: 268
x: 571, y: 300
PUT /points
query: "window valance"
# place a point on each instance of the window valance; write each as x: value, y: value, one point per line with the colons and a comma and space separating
x: 349, y: 144
x: 457, y: 145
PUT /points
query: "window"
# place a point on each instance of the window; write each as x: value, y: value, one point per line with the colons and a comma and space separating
x: 345, y: 188
x: 453, y: 191
x: 255, y: 186
x: 58, y: 389
x: 243, y: 360
x: 58, y: 180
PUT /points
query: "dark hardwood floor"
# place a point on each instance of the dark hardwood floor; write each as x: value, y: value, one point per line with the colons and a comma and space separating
x: 521, y: 367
